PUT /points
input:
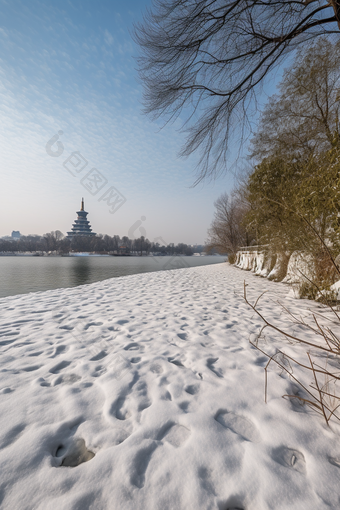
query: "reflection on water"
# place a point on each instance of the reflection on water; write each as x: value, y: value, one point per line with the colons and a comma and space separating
x: 20, y: 275
x: 80, y: 271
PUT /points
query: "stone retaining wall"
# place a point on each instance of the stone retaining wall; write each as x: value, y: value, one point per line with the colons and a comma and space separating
x: 278, y: 267
x: 297, y: 269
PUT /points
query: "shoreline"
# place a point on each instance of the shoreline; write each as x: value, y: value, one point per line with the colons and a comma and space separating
x: 91, y: 254
x: 22, y: 275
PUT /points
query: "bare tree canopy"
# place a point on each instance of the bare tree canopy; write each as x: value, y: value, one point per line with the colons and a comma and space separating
x: 213, y: 55
x: 227, y: 233
x: 303, y: 119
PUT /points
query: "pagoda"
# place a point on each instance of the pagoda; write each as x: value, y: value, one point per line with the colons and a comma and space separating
x: 81, y: 226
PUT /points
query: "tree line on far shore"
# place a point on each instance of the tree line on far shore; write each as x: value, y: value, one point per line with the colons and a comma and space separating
x: 56, y: 242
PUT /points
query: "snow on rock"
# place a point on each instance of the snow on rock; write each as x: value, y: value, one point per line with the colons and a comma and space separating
x: 333, y: 294
x: 267, y: 263
x: 259, y: 262
x: 247, y: 260
x: 295, y: 269
x: 262, y: 263
x: 279, y: 270
x: 300, y: 268
x: 143, y: 392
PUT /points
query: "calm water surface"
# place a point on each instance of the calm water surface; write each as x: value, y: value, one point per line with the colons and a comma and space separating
x: 20, y: 275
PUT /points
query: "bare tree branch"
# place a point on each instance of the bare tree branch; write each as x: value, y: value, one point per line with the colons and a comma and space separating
x: 211, y: 57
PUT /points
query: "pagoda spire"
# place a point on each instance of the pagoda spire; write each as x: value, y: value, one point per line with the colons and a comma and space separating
x: 81, y: 226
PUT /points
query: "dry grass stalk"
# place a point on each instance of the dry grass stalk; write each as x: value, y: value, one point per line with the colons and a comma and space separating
x: 318, y: 394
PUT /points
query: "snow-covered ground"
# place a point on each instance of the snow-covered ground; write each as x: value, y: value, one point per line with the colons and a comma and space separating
x: 152, y: 381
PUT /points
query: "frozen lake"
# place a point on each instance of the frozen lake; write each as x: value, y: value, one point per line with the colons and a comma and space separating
x: 21, y: 274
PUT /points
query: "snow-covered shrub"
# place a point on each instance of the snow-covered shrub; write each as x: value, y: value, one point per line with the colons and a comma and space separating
x: 231, y: 258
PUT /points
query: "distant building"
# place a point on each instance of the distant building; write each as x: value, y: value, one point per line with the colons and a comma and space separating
x: 81, y: 226
x: 15, y: 234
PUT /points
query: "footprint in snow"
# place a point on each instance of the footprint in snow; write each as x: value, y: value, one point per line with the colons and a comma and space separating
x: 166, y: 395
x: 98, y: 371
x: 176, y: 362
x: 141, y: 462
x: 174, y: 434
x: 119, y: 409
x: 296, y: 398
x: 31, y: 368
x: 205, y: 479
x: 210, y: 364
x: 335, y: 461
x: 12, y: 435
x: 184, y: 406
x: 239, y: 425
x: 58, y: 350
x: 10, y: 333
x: 132, y: 347
x: 57, y: 315
x: 119, y: 436
x: 233, y: 503
x: 156, y: 368
x: 6, y: 342
x: 142, y: 396
x: 60, y: 366
x: 64, y: 379
x: 124, y: 406
x: 22, y: 321
x: 42, y: 382
x: 73, y: 452
x: 192, y: 389
x: 3, y: 391
x: 238, y: 349
x: 89, y: 324
x: 99, y: 356
x: 260, y: 360
x: 289, y: 457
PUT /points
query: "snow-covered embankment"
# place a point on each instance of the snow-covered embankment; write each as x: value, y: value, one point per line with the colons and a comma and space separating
x: 298, y: 269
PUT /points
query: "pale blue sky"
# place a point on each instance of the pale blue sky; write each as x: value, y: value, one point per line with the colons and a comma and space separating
x: 68, y: 65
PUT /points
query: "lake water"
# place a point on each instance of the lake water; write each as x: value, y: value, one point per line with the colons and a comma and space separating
x: 20, y: 274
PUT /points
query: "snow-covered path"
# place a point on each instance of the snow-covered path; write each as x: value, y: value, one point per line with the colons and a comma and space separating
x: 154, y: 375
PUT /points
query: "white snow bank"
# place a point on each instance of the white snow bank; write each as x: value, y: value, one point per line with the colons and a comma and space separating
x: 246, y: 260
x: 300, y: 268
x: 149, y: 383
x: 261, y: 263
x: 332, y: 294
